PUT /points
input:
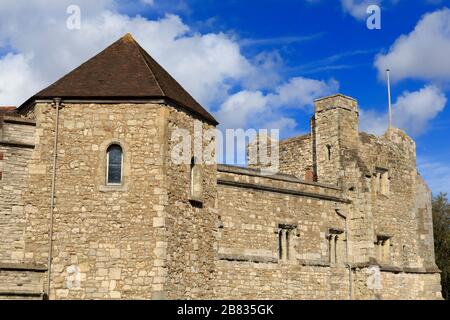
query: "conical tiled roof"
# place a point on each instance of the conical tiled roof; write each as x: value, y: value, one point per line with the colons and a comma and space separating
x: 124, y: 70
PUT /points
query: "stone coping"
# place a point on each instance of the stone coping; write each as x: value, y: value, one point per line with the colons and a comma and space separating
x: 281, y: 177
x: 334, y: 96
x: 394, y: 269
x: 16, y: 145
x: 314, y: 263
x: 261, y: 259
x: 296, y: 138
x: 247, y: 258
x: 325, y: 264
x: 19, y: 120
x: 23, y: 267
x: 280, y: 190
x: 21, y: 294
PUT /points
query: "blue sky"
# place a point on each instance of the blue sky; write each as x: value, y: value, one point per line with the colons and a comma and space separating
x: 258, y: 64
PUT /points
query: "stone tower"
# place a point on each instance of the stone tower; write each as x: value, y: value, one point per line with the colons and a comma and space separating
x: 99, y: 233
x: 334, y: 130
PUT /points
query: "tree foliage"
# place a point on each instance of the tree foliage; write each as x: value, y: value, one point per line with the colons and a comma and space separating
x: 441, y: 225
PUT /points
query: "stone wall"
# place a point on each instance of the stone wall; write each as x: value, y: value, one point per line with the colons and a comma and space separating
x: 21, y: 281
x: 17, y: 130
x: 102, y: 235
x: 186, y: 245
x: 244, y: 235
x: 252, y: 208
x: 16, y: 147
x: 376, y: 283
x: 403, y: 211
x: 248, y: 280
x: 147, y: 238
x: 296, y: 157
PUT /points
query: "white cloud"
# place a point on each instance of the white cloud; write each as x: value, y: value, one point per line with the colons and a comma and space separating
x: 285, y: 123
x: 358, y: 8
x: 436, y: 174
x: 412, y: 112
x: 264, y: 110
x: 373, y: 122
x: 265, y: 71
x: 238, y: 109
x: 422, y: 54
x: 16, y: 79
x: 206, y: 64
x: 300, y: 92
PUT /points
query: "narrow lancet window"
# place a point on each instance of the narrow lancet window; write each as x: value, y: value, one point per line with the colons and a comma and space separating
x: 196, y: 180
x: 335, y: 246
x: 280, y: 244
x: 329, y: 152
x: 286, y: 245
x: 382, y: 249
x: 115, y: 159
x: 382, y: 181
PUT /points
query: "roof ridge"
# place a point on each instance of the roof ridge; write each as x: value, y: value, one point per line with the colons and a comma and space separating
x: 138, y: 47
x: 159, y: 68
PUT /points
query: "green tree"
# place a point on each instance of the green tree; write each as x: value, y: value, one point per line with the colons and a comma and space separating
x: 441, y: 226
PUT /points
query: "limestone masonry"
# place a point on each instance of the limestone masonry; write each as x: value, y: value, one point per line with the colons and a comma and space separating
x: 92, y: 207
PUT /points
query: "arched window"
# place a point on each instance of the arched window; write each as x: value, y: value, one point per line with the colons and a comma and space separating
x: 195, y: 180
x: 114, y: 161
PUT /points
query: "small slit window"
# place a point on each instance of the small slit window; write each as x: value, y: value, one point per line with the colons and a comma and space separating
x: 382, y: 249
x: 114, y: 161
x: 329, y: 152
x: 195, y: 180
x: 382, y: 181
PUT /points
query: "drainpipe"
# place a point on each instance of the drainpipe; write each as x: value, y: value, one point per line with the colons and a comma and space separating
x: 56, y: 105
x: 349, y: 265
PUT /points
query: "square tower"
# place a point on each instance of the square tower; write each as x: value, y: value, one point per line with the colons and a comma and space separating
x: 334, y: 129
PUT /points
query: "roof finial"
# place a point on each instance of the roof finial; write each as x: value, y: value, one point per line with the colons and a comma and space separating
x: 128, y: 37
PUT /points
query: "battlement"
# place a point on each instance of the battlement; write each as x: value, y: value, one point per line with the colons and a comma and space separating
x: 336, y: 101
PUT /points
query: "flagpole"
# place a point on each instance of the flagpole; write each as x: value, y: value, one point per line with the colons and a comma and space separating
x: 389, y: 97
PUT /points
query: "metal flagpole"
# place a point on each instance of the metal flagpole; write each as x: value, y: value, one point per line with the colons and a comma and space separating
x: 389, y: 98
